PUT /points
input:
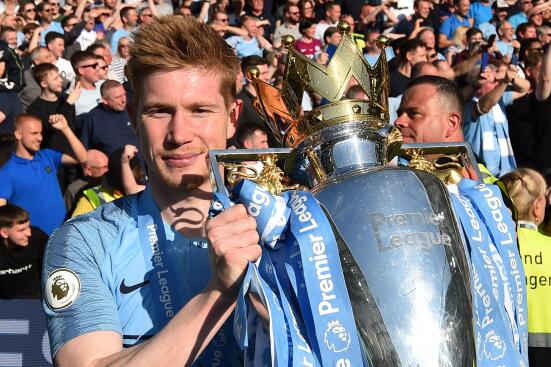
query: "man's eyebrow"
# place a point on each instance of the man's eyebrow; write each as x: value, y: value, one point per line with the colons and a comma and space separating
x: 157, y: 105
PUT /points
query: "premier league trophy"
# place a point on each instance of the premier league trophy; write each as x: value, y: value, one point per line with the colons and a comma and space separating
x: 401, y: 248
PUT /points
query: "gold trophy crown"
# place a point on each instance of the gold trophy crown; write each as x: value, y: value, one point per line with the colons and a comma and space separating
x: 282, y: 107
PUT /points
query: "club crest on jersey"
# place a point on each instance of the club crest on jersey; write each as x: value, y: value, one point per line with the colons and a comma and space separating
x: 336, y: 337
x: 62, y: 288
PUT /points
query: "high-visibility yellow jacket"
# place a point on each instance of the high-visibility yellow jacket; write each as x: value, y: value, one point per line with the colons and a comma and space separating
x: 535, y: 250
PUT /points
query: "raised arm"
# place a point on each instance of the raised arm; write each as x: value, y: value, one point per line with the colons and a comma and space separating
x: 129, y: 184
x: 59, y: 122
x: 543, y: 87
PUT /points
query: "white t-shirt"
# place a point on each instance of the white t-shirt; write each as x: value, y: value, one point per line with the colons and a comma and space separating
x: 66, y: 71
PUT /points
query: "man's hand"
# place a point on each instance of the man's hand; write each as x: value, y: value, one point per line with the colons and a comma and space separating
x: 75, y: 93
x: 233, y: 243
x: 58, y: 122
x: 129, y: 152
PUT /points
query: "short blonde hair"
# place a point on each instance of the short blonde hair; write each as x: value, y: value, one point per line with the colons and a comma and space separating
x: 175, y: 42
x: 524, y: 185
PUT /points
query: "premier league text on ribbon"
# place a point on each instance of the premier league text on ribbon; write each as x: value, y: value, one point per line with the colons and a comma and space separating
x: 323, y: 272
x: 161, y: 272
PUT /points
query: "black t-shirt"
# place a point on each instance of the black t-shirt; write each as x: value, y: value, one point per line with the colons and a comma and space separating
x: 398, y: 83
x: 12, y: 79
x: 541, y: 112
x: 406, y: 26
x: 53, y: 138
x: 522, y: 127
x: 20, y: 267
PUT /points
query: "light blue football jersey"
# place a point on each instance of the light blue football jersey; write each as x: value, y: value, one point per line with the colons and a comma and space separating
x: 94, y: 277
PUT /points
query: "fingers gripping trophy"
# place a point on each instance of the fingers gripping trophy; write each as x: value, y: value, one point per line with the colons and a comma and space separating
x: 363, y: 264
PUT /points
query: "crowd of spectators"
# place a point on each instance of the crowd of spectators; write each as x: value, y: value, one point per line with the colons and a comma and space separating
x: 66, y: 112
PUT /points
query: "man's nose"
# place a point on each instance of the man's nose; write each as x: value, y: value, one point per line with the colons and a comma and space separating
x: 180, y: 131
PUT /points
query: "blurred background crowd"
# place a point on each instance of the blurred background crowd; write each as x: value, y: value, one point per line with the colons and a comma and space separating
x: 67, y: 142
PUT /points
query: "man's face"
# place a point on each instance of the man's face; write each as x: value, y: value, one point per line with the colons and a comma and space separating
x: 88, y: 70
x: 334, y: 14
x: 11, y: 39
x: 419, y: 55
x: 506, y: 32
x: 70, y: 24
x: 258, y: 140
x: 18, y: 234
x: 501, y: 15
x: 525, y: 5
x: 44, y: 56
x: 250, y: 26
x: 29, y: 135
x: 293, y: 15
x: 110, y: 4
x: 463, y: 7
x: 57, y: 46
x: 131, y: 18
x: 545, y: 37
x: 423, y: 9
x: 55, y: 7
x: 487, y: 80
x: 115, y: 98
x: 46, y: 13
x: 429, y: 39
x: 179, y: 125
x: 102, y: 69
x: 257, y: 5
x: 146, y: 16
x: 104, y: 53
x: 421, y: 117
x: 53, y: 82
x: 530, y: 33
x: 264, y: 73
x: 475, y: 39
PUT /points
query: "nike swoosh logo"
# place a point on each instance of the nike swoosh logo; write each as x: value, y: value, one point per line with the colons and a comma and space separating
x: 129, y: 289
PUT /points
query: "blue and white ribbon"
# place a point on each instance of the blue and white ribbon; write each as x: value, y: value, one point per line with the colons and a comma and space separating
x: 300, y: 282
x: 499, y: 296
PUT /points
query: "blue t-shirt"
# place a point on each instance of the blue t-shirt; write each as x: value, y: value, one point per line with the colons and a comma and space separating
x: 480, y: 13
x: 451, y: 23
x: 505, y: 49
x: 54, y: 27
x: 244, y: 48
x: 517, y: 19
x: 33, y: 185
x: 99, y: 258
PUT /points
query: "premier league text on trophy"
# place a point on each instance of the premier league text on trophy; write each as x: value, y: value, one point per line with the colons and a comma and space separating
x: 399, y: 223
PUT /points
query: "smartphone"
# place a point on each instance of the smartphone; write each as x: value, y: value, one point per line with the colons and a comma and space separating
x: 484, y: 62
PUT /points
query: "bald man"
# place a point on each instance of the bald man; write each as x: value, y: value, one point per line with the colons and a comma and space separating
x: 28, y: 179
x: 95, y: 167
x: 418, y: 70
x: 431, y: 111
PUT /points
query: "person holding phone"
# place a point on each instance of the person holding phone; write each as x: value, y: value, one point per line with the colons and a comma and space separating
x: 420, y: 17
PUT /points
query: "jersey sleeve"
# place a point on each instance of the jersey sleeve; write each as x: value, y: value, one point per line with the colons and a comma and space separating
x: 76, y: 299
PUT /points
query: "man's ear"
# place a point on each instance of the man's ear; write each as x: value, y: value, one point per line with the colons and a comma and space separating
x: 4, y: 233
x: 453, y: 124
x: 17, y: 134
x: 235, y: 111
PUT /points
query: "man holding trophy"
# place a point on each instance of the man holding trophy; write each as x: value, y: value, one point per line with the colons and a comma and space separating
x: 362, y: 265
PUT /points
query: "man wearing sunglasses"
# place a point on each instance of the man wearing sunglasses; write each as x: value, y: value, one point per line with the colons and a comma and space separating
x: 86, y: 67
x: 46, y: 19
x: 290, y: 26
